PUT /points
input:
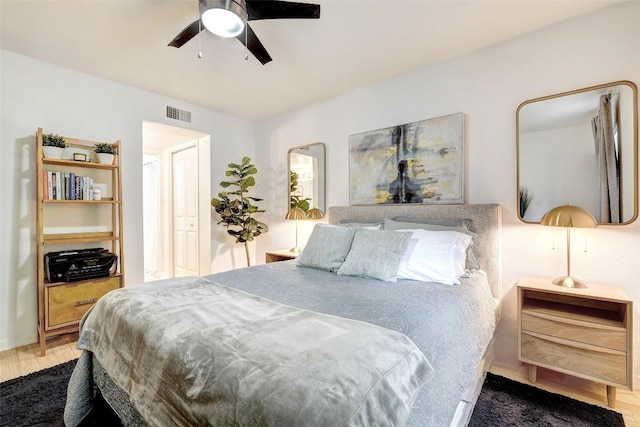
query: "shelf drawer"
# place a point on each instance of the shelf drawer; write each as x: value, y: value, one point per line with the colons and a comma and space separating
x: 603, y: 337
x: 604, y: 365
x: 68, y: 302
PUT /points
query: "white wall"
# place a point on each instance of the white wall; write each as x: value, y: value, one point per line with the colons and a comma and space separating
x: 487, y: 86
x: 36, y: 94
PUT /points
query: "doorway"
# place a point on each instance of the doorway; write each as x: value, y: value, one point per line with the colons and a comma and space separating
x: 176, y: 202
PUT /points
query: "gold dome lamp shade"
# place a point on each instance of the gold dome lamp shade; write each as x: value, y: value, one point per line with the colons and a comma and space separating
x: 569, y: 216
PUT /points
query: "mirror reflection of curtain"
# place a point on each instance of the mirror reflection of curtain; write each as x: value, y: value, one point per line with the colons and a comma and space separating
x: 150, y: 212
x: 607, y: 161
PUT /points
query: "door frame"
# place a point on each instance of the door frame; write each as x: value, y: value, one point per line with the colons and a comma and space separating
x: 167, y: 135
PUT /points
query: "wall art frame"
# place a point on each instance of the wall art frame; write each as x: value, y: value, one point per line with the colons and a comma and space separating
x: 419, y: 162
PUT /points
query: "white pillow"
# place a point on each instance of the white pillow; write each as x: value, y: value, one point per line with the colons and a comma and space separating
x: 435, y: 256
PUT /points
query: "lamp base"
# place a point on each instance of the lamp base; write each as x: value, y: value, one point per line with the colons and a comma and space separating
x: 569, y: 282
x: 295, y: 250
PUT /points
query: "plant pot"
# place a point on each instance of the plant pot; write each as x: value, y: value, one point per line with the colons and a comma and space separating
x: 105, y: 158
x: 51, y: 152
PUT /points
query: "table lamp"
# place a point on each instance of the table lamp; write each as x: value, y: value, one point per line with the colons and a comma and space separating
x: 296, y: 214
x: 569, y: 216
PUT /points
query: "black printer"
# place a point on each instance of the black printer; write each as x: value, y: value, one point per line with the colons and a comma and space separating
x: 79, y: 264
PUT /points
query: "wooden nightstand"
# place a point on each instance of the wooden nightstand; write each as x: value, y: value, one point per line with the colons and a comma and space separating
x: 582, y: 332
x: 280, y: 255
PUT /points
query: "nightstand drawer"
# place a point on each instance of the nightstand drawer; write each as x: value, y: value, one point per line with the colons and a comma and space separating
x: 68, y: 302
x: 607, y: 365
x: 558, y: 327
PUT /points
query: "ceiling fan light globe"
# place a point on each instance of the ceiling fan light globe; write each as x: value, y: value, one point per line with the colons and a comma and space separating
x: 222, y: 22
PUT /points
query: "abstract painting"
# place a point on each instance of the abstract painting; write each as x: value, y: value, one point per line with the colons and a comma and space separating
x: 420, y: 162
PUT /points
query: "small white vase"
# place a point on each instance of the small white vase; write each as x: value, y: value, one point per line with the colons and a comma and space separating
x: 51, y: 152
x: 105, y: 158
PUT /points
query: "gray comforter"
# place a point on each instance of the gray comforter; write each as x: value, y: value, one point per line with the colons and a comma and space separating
x: 452, y: 325
x: 192, y: 352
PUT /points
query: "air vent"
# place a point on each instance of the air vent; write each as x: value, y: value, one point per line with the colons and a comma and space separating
x: 178, y: 114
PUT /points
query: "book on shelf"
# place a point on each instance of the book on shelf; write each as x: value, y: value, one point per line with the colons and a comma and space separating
x: 66, y: 186
x: 72, y: 186
x: 56, y: 186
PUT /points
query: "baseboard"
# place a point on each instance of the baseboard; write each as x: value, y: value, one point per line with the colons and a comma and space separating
x: 11, y: 343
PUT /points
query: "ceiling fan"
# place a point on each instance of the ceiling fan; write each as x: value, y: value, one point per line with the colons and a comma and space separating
x: 228, y: 18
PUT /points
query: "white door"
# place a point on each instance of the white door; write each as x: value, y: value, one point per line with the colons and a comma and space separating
x: 184, y: 165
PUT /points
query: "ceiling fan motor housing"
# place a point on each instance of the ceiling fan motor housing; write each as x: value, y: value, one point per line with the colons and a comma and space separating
x: 225, y: 18
x: 238, y: 7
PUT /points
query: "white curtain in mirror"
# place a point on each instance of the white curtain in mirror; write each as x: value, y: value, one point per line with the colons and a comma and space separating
x: 603, y: 126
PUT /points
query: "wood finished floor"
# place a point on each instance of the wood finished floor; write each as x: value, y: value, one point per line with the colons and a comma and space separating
x: 24, y: 360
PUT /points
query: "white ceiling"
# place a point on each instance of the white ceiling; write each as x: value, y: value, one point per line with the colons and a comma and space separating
x: 353, y: 44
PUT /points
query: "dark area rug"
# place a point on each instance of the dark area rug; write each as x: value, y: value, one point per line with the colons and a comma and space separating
x: 504, y: 402
x: 38, y: 400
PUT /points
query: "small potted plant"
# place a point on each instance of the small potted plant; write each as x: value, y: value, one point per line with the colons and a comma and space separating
x: 53, y: 145
x: 105, y: 152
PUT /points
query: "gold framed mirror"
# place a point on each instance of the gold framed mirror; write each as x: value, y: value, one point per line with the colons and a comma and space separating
x: 306, y: 182
x: 579, y: 147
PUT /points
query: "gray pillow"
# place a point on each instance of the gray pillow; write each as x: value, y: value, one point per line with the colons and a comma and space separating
x: 461, y: 225
x: 327, y: 247
x: 446, y: 222
x: 376, y: 254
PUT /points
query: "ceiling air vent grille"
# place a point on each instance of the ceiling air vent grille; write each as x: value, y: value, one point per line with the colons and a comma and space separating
x: 178, y: 114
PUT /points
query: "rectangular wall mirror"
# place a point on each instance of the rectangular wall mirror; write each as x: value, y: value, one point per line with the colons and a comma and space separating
x: 307, y: 183
x: 581, y: 148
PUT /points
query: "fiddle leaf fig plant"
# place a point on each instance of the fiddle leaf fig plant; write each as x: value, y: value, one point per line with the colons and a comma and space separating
x: 236, y: 207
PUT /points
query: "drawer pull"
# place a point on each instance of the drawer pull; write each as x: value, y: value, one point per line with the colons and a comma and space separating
x: 86, y: 301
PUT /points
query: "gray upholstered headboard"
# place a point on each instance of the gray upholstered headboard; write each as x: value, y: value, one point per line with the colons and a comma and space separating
x: 487, y: 223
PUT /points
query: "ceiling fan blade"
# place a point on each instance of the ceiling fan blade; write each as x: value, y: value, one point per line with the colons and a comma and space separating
x: 254, y: 45
x: 187, y: 34
x: 261, y: 9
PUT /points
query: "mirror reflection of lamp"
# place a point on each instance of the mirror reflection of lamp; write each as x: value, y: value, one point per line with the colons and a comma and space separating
x: 569, y: 216
x: 315, y: 213
x: 296, y: 214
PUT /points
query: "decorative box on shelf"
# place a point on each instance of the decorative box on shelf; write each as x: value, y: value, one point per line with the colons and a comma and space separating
x: 584, y: 332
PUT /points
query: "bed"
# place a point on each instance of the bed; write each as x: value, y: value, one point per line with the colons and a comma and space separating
x: 400, y: 352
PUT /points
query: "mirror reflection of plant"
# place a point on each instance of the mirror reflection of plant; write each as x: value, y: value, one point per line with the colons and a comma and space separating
x: 526, y: 197
x: 236, y: 207
x: 296, y: 201
x: 53, y: 140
